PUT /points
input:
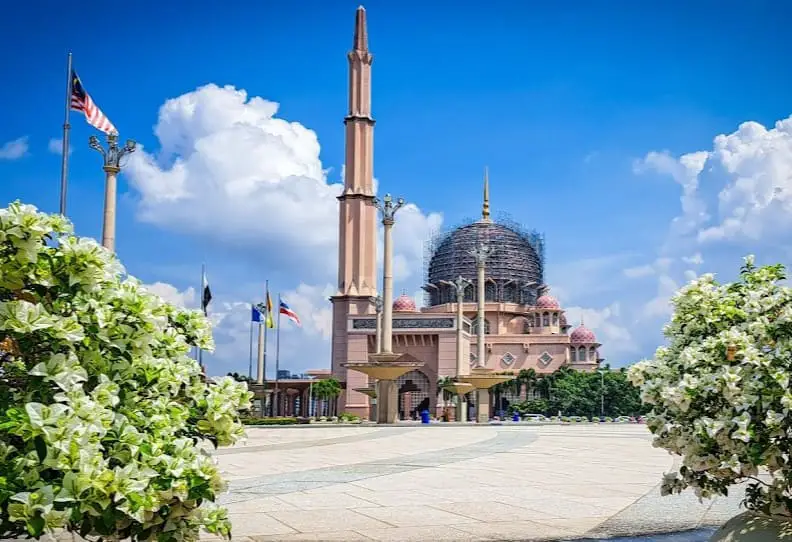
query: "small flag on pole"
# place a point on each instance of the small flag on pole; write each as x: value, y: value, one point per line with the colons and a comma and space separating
x: 255, y: 315
x: 288, y: 313
x: 206, y: 293
x: 270, y: 320
x: 81, y: 101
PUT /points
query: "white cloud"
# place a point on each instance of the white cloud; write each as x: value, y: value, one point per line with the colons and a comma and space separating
x: 659, y: 305
x: 171, y: 294
x: 229, y: 170
x: 615, y: 337
x: 684, y: 171
x: 753, y: 168
x: 696, y: 259
x: 13, y: 150
x: 55, y: 146
x: 639, y: 271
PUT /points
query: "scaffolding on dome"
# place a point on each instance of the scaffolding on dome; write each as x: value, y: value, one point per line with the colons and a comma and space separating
x: 515, y: 273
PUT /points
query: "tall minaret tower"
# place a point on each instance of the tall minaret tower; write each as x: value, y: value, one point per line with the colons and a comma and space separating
x: 357, y: 228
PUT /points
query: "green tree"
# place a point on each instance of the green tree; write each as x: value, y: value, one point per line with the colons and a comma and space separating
x: 102, y: 411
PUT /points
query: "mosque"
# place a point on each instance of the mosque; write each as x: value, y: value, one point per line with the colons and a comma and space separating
x: 524, y: 325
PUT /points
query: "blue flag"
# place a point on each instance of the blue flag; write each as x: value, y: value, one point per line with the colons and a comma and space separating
x: 255, y: 315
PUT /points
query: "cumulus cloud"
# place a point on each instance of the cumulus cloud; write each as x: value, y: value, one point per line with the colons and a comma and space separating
x: 229, y: 169
x: 695, y: 259
x: 660, y: 304
x: 173, y: 295
x: 753, y: 168
x: 13, y: 150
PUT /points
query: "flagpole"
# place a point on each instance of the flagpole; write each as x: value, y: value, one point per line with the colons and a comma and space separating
x: 250, y: 343
x: 201, y: 293
x: 65, y: 142
x: 277, y: 353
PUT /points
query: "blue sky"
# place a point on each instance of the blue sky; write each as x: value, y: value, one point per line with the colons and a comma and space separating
x: 581, y: 110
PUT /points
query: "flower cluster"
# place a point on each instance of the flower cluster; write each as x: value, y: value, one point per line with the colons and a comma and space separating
x: 720, y: 389
x: 103, y: 415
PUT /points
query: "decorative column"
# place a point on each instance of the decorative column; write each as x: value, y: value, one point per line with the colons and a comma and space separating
x: 378, y: 309
x: 388, y: 210
x: 481, y: 253
x: 462, y: 368
x: 112, y: 165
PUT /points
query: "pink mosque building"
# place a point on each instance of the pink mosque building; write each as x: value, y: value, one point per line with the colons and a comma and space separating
x: 525, y: 326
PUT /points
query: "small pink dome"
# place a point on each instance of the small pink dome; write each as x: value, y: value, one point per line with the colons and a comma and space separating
x: 547, y: 302
x: 404, y: 303
x: 583, y: 335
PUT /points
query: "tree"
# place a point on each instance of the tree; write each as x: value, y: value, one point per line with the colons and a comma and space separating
x: 720, y: 390
x: 102, y: 411
x: 326, y: 390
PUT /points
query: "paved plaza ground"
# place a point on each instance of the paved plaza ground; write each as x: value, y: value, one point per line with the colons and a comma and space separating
x: 455, y: 482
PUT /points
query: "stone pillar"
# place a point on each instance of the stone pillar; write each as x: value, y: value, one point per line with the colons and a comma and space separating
x: 111, y: 157
x: 482, y: 406
x: 462, y: 367
x: 378, y: 339
x: 109, y: 221
x: 387, y: 401
x: 480, y: 254
x: 387, y: 288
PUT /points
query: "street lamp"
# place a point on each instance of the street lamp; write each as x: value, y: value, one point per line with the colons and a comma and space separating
x: 388, y: 210
x: 602, y: 391
x: 481, y: 254
x: 112, y: 165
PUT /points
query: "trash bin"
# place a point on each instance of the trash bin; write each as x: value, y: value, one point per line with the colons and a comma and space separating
x: 516, y: 417
x: 424, y: 416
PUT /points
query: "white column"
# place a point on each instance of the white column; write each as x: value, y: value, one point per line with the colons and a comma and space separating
x: 109, y: 221
x: 387, y: 289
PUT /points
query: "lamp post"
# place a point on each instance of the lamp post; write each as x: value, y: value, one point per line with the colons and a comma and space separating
x: 377, y: 300
x: 112, y: 165
x: 602, y: 392
x: 388, y: 210
x: 460, y: 284
x: 481, y: 254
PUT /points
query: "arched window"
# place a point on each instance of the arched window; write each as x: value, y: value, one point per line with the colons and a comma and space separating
x: 573, y: 354
x: 490, y: 292
x: 555, y: 318
x: 593, y: 354
x: 474, y: 327
x: 546, y: 319
x: 582, y: 353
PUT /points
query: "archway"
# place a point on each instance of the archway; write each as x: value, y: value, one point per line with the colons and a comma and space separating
x: 414, y: 388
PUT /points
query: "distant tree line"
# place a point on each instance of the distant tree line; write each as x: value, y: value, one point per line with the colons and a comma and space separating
x: 573, y: 393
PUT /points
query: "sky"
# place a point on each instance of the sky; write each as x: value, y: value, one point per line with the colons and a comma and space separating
x: 650, y: 142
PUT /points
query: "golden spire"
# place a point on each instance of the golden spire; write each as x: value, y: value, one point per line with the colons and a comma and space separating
x: 485, y: 211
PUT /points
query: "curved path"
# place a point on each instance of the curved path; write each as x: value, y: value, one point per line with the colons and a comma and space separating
x: 455, y: 482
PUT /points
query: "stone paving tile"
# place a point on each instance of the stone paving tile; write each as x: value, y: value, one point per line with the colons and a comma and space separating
x: 317, y: 521
x: 312, y: 501
x: 257, y: 524
x: 262, y: 504
x: 414, y: 516
x: 491, y: 511
x: 320, y: 537
x: 514, y: 530
x: 422, y: 534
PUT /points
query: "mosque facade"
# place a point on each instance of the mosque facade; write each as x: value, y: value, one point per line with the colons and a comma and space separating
x: 524, y: 325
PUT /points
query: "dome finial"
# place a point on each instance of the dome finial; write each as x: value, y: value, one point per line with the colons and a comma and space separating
x: 485, y: 209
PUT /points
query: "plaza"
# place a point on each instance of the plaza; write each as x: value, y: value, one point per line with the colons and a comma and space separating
x: 455, y: 482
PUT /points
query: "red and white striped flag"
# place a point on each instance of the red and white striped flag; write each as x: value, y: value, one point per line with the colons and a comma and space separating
x: 81, y: 101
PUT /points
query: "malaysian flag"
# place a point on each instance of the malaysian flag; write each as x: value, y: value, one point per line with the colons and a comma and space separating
x: 81, y: 101
x: 288, y: 313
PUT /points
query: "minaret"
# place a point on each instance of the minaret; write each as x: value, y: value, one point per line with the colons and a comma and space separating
x: 357, y: 227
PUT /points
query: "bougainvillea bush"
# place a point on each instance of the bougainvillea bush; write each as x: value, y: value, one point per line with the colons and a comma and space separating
x: 104, y: 418
x: 720, y: 390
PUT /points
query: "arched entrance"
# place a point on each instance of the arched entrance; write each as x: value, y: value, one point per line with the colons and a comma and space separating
x: 414, y: 395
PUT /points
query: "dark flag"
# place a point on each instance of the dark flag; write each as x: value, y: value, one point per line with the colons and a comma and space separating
x: 206, y: 293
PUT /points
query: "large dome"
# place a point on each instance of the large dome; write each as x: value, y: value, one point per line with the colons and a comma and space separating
x: 514, y: 270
